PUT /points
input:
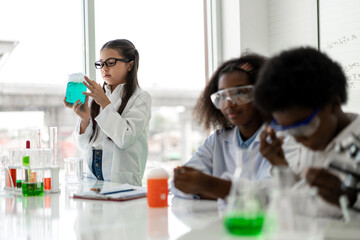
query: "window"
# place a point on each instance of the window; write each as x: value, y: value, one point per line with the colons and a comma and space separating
x: 39, y: 46
x: 169, y: 36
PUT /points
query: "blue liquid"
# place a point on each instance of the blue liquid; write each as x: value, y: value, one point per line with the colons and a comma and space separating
x: 74, y: 92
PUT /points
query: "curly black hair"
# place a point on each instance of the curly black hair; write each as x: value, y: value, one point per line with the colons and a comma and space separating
x: 205, y: 112
x: 300, y: 77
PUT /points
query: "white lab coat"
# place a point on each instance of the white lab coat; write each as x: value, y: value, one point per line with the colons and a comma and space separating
x: 124, y: 157
x: 217, y: 157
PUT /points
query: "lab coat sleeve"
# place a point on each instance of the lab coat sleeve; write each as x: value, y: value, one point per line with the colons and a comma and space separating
x: 82, y: 140
x: 201, y: 160
x: 292, y: 154
x: 126, y: 128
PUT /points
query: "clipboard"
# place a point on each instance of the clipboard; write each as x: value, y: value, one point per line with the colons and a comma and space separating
x: 120, y: 193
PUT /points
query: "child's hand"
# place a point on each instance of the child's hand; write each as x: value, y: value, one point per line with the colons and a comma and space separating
x: 329, y: 186
x: 271, y: 147
x: 82, y: 110
x: 190, y: 180
x: 96, y: 92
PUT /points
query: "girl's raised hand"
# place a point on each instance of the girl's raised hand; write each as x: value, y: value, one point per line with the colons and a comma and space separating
x: 96, y: 92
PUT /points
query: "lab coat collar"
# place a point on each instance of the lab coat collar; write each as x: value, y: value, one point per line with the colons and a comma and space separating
x: 116, y: 90
x: 230, y: 136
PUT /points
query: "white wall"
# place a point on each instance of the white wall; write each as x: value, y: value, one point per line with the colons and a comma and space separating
x: 254, y: 26
x: 266, y: 26
x: 292, y: 23
x: 270, y: 26
x: 230, y: 25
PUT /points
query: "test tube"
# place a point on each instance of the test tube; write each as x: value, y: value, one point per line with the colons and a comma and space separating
x: 26, y: 161
x: 47, y: 179
x: 36, y: 138
x: 11, y: 169
x: 53, y: 144
x: 47, y: 159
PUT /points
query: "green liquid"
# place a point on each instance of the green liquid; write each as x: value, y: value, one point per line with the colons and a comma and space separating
x: 32, y: 189
x: 26, y: 161
x: 18, y: 183
x: 241, y: 225
x: 74, y: 92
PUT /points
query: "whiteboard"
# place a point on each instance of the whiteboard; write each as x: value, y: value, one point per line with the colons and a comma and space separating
x: 339, y: 28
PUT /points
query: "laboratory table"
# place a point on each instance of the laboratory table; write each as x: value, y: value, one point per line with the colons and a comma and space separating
x: 59, y: 216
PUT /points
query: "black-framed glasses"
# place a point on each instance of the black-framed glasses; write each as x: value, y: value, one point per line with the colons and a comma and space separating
x: 110, y: 62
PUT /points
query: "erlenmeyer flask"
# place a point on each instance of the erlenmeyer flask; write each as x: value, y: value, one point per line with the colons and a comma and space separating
x: 245, y: 210
x: 292, y: 212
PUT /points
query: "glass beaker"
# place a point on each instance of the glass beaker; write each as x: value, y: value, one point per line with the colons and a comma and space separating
x: 75, y: 88
x: 33, y: 172
x: 246, y: 203
x: 33, y: 181
x: 73, y: 170
x: 245, y: 211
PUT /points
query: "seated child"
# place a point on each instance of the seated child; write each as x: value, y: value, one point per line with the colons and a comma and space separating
x: 226, y: 104
x: 303, y: 90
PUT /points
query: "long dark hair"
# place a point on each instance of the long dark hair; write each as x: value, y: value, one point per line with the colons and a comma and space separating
x: 126, y: 49
x: 205, y: 112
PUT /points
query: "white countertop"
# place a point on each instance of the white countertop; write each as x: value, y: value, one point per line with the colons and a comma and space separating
x: 58, y: 216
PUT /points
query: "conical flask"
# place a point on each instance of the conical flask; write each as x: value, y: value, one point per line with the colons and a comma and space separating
x: 245, y: 209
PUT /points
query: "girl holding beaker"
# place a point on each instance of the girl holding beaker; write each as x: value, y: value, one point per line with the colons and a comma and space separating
x: 113, y: 131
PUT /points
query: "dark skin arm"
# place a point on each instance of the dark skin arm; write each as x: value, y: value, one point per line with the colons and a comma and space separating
x: 329, y: 186
x: 192, y: 181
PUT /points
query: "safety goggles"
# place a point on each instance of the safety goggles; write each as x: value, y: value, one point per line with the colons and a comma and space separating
x: 305, y: 128
x: 237, y: 95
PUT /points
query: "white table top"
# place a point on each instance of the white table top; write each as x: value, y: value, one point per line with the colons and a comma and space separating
x: 58, y: 216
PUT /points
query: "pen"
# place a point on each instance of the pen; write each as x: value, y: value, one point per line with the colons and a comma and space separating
x: 120, y: 191
x: 95, y: 189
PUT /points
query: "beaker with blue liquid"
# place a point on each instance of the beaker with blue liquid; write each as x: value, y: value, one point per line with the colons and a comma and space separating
x: 75, y: 88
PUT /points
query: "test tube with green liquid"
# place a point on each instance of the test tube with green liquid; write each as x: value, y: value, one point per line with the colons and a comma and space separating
x: 75, y: 88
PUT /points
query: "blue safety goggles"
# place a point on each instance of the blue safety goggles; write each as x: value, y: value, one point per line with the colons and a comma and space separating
x: 304, y: 128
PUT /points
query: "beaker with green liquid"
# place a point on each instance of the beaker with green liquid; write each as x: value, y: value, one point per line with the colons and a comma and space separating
x: 245, y: 217
x: 32, y: 184
x: 33, y: 173
x: 75, y: 88
x: 246, y: 204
